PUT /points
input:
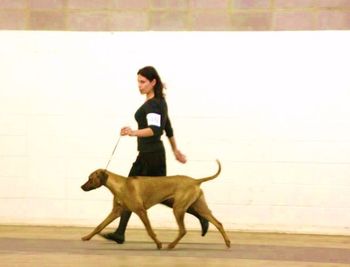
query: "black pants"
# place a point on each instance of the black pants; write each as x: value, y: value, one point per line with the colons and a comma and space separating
x: 146, y: 164
x: 149, y: 164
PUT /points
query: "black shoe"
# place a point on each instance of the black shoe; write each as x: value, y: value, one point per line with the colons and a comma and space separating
x: 205, y: 225
x: 120, y: 239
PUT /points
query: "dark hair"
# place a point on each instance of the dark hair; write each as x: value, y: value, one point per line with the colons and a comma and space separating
x: 151, y: 73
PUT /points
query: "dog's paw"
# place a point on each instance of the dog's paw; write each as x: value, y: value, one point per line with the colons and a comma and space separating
x: 171, y: 245
x: 86, y: 238
x: 159, y: 245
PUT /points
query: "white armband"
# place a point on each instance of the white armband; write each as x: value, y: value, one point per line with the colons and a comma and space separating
x: 153, y: 119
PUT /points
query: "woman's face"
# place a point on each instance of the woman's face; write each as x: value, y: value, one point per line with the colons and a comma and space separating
x: 145, y: 86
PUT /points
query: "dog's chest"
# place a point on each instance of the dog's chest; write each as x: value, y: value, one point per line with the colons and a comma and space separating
x: 117, y: 201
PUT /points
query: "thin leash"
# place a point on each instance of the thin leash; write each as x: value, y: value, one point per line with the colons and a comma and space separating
x: 115, y: 147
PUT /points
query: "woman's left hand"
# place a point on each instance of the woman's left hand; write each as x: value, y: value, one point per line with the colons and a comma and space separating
x: 179, y: 156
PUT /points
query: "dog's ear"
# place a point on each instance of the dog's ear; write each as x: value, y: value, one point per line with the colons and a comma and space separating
x: 104, y: 177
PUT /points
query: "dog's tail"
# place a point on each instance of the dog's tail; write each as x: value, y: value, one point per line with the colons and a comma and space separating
x: 199, y: 181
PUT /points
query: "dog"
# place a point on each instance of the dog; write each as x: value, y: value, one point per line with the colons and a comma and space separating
x: 139, y: 193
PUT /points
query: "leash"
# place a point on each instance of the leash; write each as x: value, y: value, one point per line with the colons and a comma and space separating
x: 115, y: 147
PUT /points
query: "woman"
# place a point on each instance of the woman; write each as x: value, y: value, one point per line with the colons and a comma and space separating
x: 152, y: 119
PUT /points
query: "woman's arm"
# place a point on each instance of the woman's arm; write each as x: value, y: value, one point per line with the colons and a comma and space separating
x: 178, y: 155
x: 170, y: 134
x: 147, y: 132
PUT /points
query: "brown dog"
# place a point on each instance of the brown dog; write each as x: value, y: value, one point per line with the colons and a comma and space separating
x: 138, y: 194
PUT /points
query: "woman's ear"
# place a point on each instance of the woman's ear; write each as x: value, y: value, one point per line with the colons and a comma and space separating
x: 153, y: 82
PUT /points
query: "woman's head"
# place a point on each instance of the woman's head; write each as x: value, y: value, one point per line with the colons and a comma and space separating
x: 149, y: 81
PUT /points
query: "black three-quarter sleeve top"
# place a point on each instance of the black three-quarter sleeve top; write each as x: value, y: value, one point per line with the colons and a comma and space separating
x: 153, y: 114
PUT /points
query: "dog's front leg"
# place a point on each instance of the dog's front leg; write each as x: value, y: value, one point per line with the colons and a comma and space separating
x: 115, y: 213
x: 142, y: 213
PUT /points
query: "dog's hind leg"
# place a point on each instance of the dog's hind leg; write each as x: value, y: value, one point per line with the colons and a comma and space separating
x: 142, y: 213
x: 201, y: 207
x: 203, y: 222
x: 181, y: 204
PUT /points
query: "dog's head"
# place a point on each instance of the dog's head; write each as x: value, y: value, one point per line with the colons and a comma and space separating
x: 96, y: 180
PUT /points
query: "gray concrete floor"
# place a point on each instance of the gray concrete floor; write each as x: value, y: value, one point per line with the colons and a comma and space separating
x: 61, y: 246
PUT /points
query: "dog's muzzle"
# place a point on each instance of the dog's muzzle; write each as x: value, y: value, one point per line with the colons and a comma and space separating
x: 85, y: 188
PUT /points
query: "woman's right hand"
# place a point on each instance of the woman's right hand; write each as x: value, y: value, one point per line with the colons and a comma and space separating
x: 125, y: 131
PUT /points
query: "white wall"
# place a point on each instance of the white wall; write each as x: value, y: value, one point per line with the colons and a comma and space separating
x: 272, y: 106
